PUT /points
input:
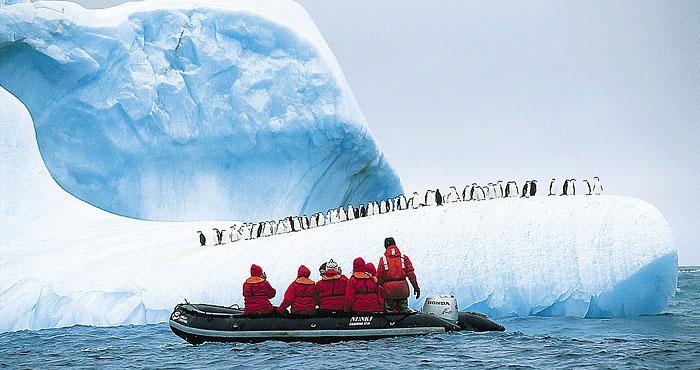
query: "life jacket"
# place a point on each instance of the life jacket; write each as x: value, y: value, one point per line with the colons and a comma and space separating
x: 394, y: 265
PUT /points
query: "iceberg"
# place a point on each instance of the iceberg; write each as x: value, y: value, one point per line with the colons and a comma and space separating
x: 65, y: 261
x: 191, y: 109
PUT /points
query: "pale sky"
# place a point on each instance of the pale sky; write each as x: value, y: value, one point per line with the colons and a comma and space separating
x: 459, y: 92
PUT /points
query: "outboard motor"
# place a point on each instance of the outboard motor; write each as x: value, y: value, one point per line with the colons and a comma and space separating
x: 442, y: 306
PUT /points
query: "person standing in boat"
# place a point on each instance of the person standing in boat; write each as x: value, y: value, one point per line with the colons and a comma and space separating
x: 257, y: 293
x: 361, y: 293
x: 394, y: 268
x: 302, y: 294
x: 331, y: 288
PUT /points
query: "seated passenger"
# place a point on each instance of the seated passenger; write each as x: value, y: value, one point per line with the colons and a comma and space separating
x: 361, y: 293
x: 331, y: 288
x: 372, y: 271
x: 302, y: 294
x: 257, y: 293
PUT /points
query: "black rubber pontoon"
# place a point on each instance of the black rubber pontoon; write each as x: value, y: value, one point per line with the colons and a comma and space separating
x: 198, y: 323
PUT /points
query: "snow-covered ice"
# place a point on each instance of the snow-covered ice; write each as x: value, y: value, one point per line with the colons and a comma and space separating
x: 191, y: 109
x: 64, y: 261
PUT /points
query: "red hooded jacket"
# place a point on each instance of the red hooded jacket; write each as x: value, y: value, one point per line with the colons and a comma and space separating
x: 331, y: 291
x: 302, y: 294
x: 369, y: 267
x: 394, y: 268
x: 362, y: 293
x: 257, y: 293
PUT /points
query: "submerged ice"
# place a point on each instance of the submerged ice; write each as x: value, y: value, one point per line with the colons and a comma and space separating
x: 192, y: 111
x: 65, y: 262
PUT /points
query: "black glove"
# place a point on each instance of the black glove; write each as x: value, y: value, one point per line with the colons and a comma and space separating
x: 417, y: 292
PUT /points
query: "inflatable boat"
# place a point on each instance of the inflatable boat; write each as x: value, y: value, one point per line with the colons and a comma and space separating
x: 199, y: 323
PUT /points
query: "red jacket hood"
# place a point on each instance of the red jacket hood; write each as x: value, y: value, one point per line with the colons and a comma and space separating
x: 370, y: 269
x: 358, y: 265
x: 303, y: 272
x: 256, y: 270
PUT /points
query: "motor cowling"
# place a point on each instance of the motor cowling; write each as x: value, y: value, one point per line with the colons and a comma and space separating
x: 443, y: 306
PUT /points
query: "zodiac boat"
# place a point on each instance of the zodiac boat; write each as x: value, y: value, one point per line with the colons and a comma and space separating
x: 199, y: 323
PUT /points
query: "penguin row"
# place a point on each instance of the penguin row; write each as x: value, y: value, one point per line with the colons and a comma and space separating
x: 249, y: 231
x: 473, y: 192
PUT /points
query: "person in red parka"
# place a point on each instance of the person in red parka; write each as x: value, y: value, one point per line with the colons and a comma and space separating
x: 257, y: 293
x: 331, y: 288
x: 372, y: 271
x: 394, y: 268
x: 302, y: 294
x: 361, y: 293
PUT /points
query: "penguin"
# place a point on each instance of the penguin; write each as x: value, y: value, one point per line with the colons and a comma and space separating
x: 429, y: 198
x: 234, y: 236
x: 552, y: 188
x: 438, y: 197
x: 403, y: 201
x: 500, y: 189
x: 202, y: 239
x: 342, y: 216
x: 296, y: 224
x: 219, y: 236
x: 329, y: 216
x: 391, y: 205
x: 321, y: 219
x: 382, y: 207
x: 533, y: 188
x: 512, y: 190
x: 375, y: 205
x: 415, y: 200
x: 526, y: 190
x: 453, y: 195
x: 363, y: 210
x: 265, y: 229
x: 588, y: 187
x: 565, y: 188
x: 273, y: 227
x: 282, y: 226
x: 260, y: 229
x: 482, y: 193
x: 305, y: 222
x: 597, y: 187
x: 357, y: 212
x: 489, y: 191
x: 572, y: 186
x: 351, y: 212
x: 467, y: 193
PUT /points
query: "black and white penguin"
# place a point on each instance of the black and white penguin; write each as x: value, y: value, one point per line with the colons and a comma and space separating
x: 266, y: 231
x: 572, y: 187
x: 552, y: 188
x: 305, y: 222
x: 467, y: 193
x: 597, y: 187
x: 453, y: 195
x: 489, y: 190
x: 588, y: 188
x: 438, y: 197
x: 234, y: 235
x: 259, y: 229
x: 219, y: 236
x: 501, y: 190
x: 415, y: 200
x: 363, y: 211
x: 342, y: 215
x: 481, y: 193
x: 533, y: 187
x: 357, y: 212
x: 473, y: 191
x: 202, y: 239
x: 565, y: 188
x: 273, y: 227
x: 351, y: 212
x: 526, y: 190
x: 512, y: 190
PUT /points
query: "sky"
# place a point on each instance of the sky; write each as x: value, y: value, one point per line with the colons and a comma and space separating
x: 464, y: 91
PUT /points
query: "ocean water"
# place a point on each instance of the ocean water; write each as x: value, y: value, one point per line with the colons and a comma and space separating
x: 668, y: 340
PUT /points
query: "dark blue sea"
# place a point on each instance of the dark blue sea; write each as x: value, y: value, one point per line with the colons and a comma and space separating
x: 668, y: 340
